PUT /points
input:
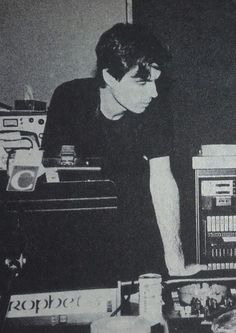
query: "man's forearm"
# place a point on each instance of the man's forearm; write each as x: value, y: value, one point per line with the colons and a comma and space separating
x: 165, y: 198
x: 167, y: 214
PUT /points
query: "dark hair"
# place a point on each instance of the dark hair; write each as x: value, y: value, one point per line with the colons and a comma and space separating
x: 125, y: 46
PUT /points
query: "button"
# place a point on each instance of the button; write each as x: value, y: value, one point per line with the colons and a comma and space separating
x: 54, y: 320
x: 31, y: 120
x: 63, y: 319
x: 41, y: 121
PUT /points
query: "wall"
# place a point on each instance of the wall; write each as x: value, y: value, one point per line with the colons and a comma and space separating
x: 201, y: 36
x: 46, y: 42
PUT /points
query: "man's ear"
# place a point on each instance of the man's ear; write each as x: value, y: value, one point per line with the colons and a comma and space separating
x: 108, y: 78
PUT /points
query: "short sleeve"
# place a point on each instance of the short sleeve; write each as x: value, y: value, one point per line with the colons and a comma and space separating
x: 58, y: 122
x: 157, y: 136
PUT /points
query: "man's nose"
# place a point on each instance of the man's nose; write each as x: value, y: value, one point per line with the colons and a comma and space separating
x: 153, y: 90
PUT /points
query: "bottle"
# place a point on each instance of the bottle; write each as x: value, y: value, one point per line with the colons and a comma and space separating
x: 150, y: 298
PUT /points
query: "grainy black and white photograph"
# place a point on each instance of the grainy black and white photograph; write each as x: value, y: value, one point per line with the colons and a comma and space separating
x: 118, y: 166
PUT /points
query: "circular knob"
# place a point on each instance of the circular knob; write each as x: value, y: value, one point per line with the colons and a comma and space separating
x: 31, y: 120
x: 41, y: 121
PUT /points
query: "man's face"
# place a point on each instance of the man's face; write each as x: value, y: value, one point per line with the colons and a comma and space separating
x: 133, y: 93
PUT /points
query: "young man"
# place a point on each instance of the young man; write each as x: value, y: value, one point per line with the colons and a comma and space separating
x: 116, y: 116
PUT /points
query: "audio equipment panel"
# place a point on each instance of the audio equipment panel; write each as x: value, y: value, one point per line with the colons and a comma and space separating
x: 215, y: 199
x: 24, y: 121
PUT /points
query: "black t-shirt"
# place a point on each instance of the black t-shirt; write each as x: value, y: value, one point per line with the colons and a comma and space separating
x: 125, y: 145
x: 74, y: 118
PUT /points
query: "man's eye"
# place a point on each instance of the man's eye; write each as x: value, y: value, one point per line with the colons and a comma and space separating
x: 142, y: 83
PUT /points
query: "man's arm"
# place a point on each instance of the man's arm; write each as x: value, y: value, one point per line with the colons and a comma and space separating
x: 60, y: 119
x: 165, y: 196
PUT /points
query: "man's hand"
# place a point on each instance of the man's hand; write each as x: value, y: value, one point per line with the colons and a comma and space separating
x: 188, y: 270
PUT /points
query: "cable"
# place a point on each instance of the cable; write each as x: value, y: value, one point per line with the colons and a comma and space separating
x: 124, y: 302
